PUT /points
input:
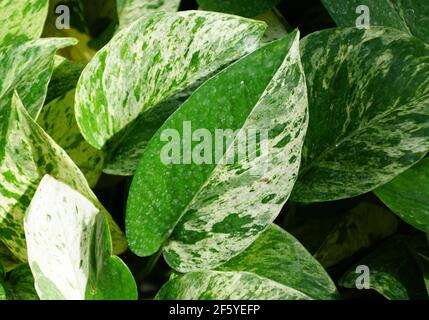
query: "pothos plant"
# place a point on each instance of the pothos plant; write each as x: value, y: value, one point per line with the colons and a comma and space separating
x: 107, y: 193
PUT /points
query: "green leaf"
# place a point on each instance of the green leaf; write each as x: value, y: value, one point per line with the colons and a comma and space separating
x: 410, y: 16
x: 278, y: 256
x: 3, y: 292
x: 64, y: 77
x: 20, y: 284
x: 69, y: 247
x: 408, y: 195
x: 219, y: 209
x: 22, y: 18
x: 131, y: 10
x: 362, y: 227
x: 215, y: 285
x: 245, y: 8
x: 368, y: 101
x: 147, y: 66
x: 59, y: 122
x: 394, y: 272
x: 7, y: 259
x: 27, y: 67
x: 27, y: 153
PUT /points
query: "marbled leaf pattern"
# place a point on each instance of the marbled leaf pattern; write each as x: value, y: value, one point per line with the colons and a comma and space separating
x: 131, y: 10
x: 27, y: 66
x: 278, y: 256
x: 69, y: 247
x: 216, y: 210
x: 58, y: 120
x: 410, y: 16
x: 369, y: 104
x: 176, y: 51
x: 22, y: 18
x: 27, y: 153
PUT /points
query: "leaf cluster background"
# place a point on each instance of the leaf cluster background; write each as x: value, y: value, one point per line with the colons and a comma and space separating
x: 88, y: 209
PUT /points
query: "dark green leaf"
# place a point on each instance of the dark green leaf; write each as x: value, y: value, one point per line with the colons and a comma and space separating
x: 369, y: 110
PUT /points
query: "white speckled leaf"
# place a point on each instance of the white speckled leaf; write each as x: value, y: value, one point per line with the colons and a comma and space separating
x: 153, y: 62
x: 22, y: 18
x: 215, y: 285
x: 27, y: 66
x: 408, y: 195
x: 278, y: 256
x: 27, y: 153
x: 410, y: 16
x: 64, y: 246
x: 130, y: 11
x: 369, y: 110
x: 216, y: 210
x: 58, y: 120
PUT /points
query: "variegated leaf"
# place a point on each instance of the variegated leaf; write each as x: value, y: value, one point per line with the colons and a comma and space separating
x: 69, y: 247
x: 410, y: 16
x: 393, y: 271
x: 131, y: 10
x: 176, y: 51
x: 218, y: 209
x: 27, y: 153
x: 245, y: 8
x: 58, y: 120
x: 369, y: 105
x: 408, y: 195
x: 22, y: 18
x: 278, y: 256
x: 215, y: 285
x: 26, y: 66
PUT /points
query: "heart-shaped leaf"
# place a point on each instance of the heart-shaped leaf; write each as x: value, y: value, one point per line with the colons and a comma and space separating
x: 275, y: 266
x: 22, y: 18
x: 69, y: 247
x: 148, y: 68
x: 410, y: 16
x: 369, y: 110
x: 218, y: 207
x: 27, y: 153
x: 408, y: 195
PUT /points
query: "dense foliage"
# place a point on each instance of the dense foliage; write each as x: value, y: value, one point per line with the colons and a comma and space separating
x: 214, y: 149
